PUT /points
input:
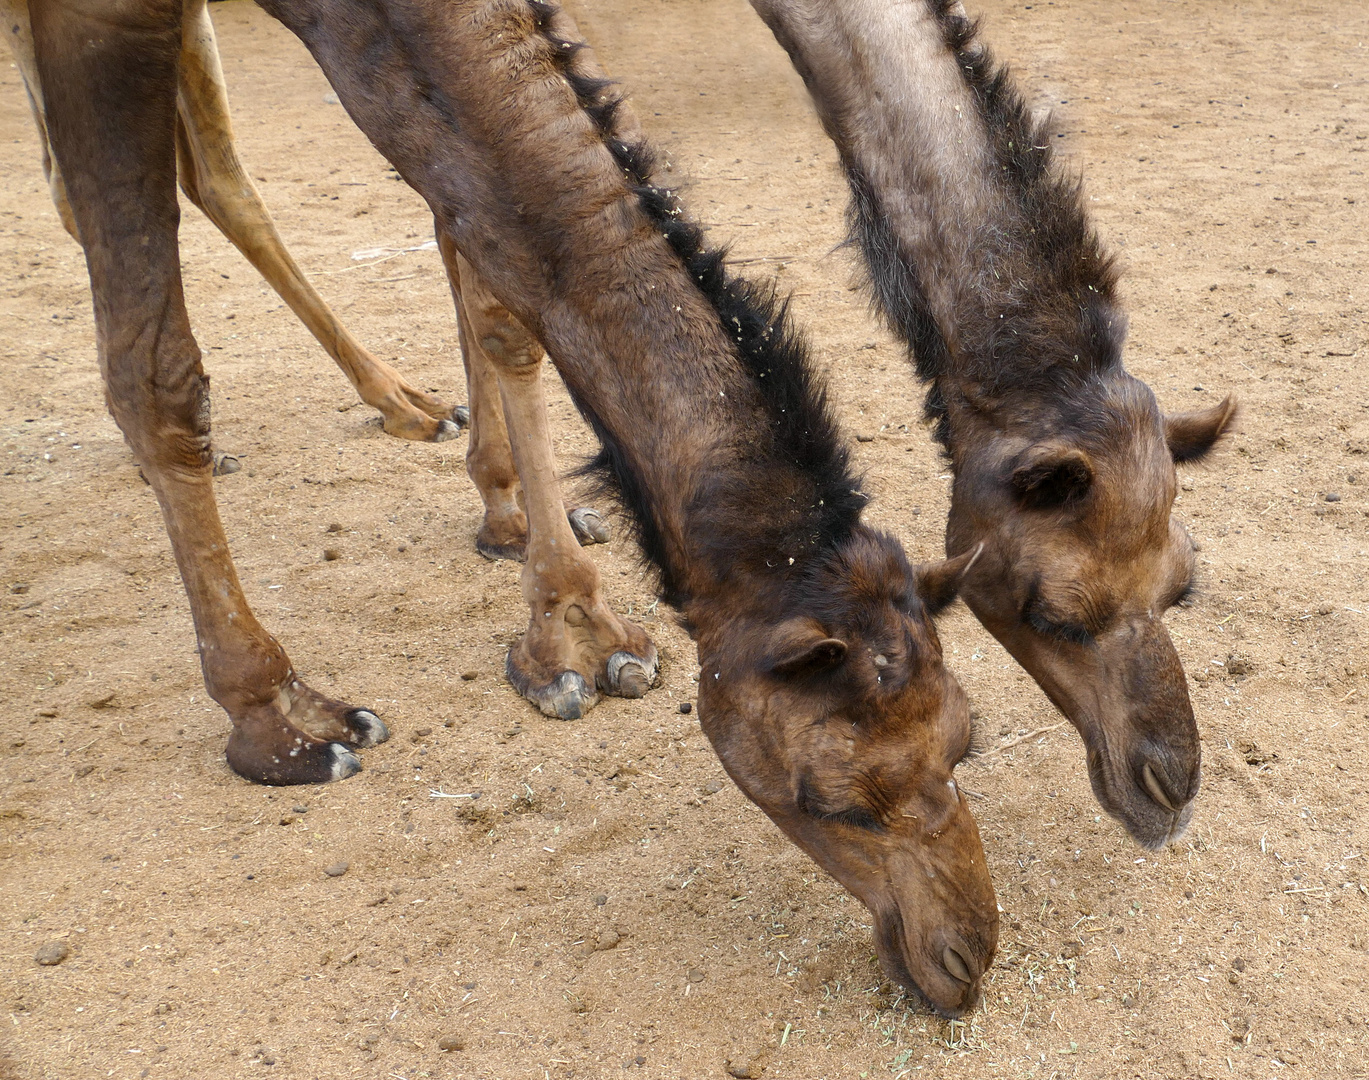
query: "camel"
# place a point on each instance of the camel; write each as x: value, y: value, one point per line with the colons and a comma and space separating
x: 822, y: 686
x: 981, y: 258
x: 561, y: 673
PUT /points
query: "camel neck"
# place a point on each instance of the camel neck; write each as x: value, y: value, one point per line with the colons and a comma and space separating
x: 975, y: 242
x: 716, y: 431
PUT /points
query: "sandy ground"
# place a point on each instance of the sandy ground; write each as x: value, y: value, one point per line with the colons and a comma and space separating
x: 610, y: 903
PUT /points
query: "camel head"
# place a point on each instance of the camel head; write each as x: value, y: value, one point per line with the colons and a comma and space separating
x: 1080, y: 560
x: 840, y: 721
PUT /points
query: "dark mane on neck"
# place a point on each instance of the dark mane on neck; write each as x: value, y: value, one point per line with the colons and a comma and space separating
x: 1039, y: 313
x: 804, y: 443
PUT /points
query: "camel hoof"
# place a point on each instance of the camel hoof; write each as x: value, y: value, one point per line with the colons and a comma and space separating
x: 446, y: 431
x: 589, y: 526
x: 514, y: 551
x: 225, y: 464
x: 345, y: 763
x: 304, y: 763
x: 567, y: 697
x: 630, y: 676
x: 369, y: 728
x: 461, y: 416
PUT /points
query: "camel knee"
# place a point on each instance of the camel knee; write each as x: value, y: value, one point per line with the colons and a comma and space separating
x: 509, y: 345
x: 166, y: 421
x: 490, y: 467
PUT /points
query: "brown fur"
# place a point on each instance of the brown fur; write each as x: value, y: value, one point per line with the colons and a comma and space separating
x: 980, y: 255
x: 824, y: 688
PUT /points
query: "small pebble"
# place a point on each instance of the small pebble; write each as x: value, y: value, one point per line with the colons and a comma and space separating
x: 863, y: 437
x: 53, y: 953
x: 1128, y: 1001
x: 1239, y: 963
x: 300, y: 809
x: 695, y: 975
x: 686, y: 707
x: 600, y: 900
x: 49, y: 713
x: 335, y: 527
x: 331, y: 554
x: 469, y: 676
x: 337, y: 869
x: 1071, y: 949
x: 1332, y: 496
x: 451, y: 1042
x: 104, y: 701
x: 712, y: 787
x: 608, y: 939
x: 331, y: 98
x: 19, y: 587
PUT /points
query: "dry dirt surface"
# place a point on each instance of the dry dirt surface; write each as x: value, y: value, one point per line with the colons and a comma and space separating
x: 610, y: 905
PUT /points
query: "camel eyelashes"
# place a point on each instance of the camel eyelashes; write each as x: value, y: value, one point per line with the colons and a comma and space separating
x: 809, y: 802
x: 1061, y: 631
x: 976, y: 742
x: 1185, y: 596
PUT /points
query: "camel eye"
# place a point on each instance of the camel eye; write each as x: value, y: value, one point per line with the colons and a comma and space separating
x: 1061, y: 631
x: 858, y: 817
x: 1186, y: 596
x: 976, y: 742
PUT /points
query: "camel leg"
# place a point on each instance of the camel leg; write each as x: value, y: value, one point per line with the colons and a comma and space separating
x: 109, y: 85
x: 489, y: 458
x: 20, y: 36
x: 575, y: 646
x: 214, y: 179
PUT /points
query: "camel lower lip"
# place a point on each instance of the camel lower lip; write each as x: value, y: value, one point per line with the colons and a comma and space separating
x: 890, y: 944
x: 1139, y: 801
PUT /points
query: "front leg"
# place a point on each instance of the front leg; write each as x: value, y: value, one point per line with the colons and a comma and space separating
x: 110, y: 94
x: 575, y: 646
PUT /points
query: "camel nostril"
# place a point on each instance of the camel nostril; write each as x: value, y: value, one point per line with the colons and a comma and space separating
x: 1157, y: 792
x: 956, y: 965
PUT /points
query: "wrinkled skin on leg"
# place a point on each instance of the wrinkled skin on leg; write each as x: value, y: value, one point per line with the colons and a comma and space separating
x: 1081, y: 559
x: 118, y: 161
x: 503, y: 532
x: 843, y: 725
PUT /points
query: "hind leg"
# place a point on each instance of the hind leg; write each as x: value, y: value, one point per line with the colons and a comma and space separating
x: 576, y: 647
x: 109, y: 79
x: 19, y: 34
x: 215, y: 181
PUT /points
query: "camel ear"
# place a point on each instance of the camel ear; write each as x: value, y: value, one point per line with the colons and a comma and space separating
x: 1051, y: 474
x: 799, y: 647
x: 1191, y: 435
x: 939, y: 582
